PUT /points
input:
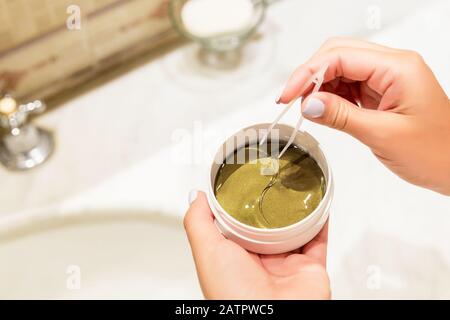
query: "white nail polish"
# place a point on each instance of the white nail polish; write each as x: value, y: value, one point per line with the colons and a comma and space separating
x: 278, y: 99
x: 192, y: 196
x: 314, y: 108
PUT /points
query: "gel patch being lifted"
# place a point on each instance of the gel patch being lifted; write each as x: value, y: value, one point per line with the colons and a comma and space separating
x: 280, y: 199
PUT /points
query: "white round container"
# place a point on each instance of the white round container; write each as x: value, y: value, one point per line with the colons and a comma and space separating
x: 277, y: 240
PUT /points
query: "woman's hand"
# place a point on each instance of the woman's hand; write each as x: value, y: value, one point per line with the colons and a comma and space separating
x: 227, y: 271
x: 405, y: 114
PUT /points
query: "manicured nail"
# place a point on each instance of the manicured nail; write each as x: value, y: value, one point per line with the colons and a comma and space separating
x: 314, y: 108
x: 192, y: 196
x: 278, y: 100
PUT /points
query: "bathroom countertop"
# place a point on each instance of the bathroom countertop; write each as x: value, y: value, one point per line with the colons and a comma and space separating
x: 124, y: 147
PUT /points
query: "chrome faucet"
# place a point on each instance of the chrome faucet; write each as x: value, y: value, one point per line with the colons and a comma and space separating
x: 22, y: 145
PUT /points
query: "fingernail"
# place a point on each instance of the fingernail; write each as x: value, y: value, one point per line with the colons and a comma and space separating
x: 278, y: 100
x: 314, y: 108
x: 192, y: 196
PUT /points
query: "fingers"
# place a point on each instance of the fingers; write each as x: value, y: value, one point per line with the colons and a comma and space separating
x: 352, y: 63
x: 353, y: 43
x: 360, y: 73
x: 222, y: 266
x: 317, y: 247
x: 200, y: 228
x: 289, y: 263
x: 368, y: 126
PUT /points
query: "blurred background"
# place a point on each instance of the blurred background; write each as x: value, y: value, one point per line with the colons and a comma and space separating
x: 110, y: 111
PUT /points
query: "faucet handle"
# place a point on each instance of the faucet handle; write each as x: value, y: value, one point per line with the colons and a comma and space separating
x: 13, y: 115
x: 36, y: 106
x: 22, y: 145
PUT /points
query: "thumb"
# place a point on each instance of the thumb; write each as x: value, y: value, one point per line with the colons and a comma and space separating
x: 338, y: 113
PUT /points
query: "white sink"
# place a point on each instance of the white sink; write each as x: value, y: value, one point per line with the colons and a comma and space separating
x: 133, y: 257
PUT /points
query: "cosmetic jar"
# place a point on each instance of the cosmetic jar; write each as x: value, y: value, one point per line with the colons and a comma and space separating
x: 274, y: 240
